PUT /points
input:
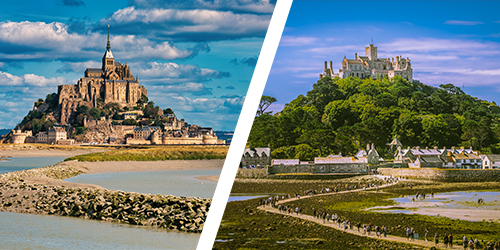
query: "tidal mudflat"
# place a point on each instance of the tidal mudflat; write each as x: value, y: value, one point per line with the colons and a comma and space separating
x: 244, y: 225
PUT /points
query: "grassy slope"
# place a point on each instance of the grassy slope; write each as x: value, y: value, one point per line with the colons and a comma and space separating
x: 156, y: 154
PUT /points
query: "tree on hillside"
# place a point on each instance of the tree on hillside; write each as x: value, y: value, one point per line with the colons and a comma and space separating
x: 265, y: 102
x: 345, y: 114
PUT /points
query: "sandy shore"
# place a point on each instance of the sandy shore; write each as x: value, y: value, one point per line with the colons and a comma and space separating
x: 130, y: 166
x: 46, y: 152
x: 426, y: 208
x: 54, y: 182
x: 462, y: 214
x: 214, y: 178
x: 140, y: 166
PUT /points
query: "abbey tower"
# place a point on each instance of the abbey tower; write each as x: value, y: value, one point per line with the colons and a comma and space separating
x: 371, y: 66
x: 112, y: 83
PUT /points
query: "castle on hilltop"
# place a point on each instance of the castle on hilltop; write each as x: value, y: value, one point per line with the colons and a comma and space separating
x: 112, y: 83
x: 371, y: 66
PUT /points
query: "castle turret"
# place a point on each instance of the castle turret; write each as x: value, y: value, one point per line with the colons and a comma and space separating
x: 371, y: 52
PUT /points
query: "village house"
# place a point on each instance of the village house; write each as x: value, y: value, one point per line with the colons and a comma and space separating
x: 458, y: 158
x: 256, y: 157
x: 491, y: 161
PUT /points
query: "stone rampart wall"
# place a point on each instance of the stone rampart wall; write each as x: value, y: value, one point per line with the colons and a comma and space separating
x: 447, y: 175
x: 319, y: 168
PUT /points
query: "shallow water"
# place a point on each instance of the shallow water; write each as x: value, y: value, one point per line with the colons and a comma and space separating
x: 28, y: 231
x: 448, y: 202
x: 243, y: 196
x: 178, y: 183
x: 459, y: 200
x: 22, y: 163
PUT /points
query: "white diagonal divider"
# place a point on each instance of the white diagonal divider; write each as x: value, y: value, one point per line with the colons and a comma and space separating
x: 245, y: 121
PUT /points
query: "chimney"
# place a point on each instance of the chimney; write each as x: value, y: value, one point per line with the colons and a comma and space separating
x: 408, y: 148
x: 453, y: 148
x: 462, y: 148
x: 418, y: 148
x: 373, y: 146
x: 331, y: 65
x: 393, y: 59
x: 426, y: 148
x: 368, y: 147
x: 397, y: 58
x: 326, y: 64
x: 449, y: 153
x: 435, y: 148
x: 355, y: 55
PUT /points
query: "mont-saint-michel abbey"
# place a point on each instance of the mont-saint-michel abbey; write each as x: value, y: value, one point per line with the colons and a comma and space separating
x: 371, y: 66
x: 113, y: 83
x: 107, y: 105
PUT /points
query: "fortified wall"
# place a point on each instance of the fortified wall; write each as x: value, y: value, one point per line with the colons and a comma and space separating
x: 446, y: 175
x: 319, y: 168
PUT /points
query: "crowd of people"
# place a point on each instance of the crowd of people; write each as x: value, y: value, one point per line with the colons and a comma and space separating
x: 368, y: 228
x: 467, y: 243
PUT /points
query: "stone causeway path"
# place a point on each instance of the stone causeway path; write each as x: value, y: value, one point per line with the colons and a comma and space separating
x: 336, y: 226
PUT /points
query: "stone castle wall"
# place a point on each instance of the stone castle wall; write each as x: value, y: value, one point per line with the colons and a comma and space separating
x: 447, y: 175
x: 319, y: 168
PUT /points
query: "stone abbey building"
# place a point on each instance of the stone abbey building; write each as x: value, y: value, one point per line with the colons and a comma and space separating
x: 371, y: 66
x: 112, y: 83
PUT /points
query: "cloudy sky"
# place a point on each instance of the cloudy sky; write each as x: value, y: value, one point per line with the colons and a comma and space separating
x: 447, y: 42
x: 194, y: 56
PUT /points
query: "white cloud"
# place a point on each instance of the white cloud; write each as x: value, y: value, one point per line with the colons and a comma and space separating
x: 49, y: 41
x: 458, y: 22
x: 184, y: 88
x: 297, y: 40
x: 191, y: 21
x: 172, y: 72
x: 225, y: 105
x: 422, y: 45
x: 7, y: 79
x: 257, y: 6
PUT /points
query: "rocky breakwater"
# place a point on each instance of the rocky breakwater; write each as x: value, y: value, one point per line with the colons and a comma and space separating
x: 162, y: 211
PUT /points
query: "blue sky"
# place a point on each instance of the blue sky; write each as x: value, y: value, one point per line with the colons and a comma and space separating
x: 195, y: 56
x: 447, y: 42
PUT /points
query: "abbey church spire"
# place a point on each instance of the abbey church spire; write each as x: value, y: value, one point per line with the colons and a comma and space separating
x: 108, y: 47
x: 108, y: 60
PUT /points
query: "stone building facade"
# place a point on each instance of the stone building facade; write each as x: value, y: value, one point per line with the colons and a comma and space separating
x: 256, y: 157
x: 371, y: 66
x: 188, y: 135
x: 456, y: 158
x: 112, y: 83
x: 19, y: 137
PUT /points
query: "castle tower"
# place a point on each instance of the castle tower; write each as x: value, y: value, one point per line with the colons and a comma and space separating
x: 108, y: 61
x: 371, y: 52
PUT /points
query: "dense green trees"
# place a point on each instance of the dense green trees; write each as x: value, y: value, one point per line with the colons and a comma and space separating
x: 343, y: 115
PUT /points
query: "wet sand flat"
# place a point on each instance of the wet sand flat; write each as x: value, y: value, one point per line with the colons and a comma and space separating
x: 214, y: 178
x: 139, y: 166
x: 46, y: 152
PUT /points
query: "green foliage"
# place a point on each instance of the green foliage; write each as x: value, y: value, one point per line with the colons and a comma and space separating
x: 265, y: 102
x: 151, y: 111
x: 142, y: 100
x: 80, y: 130
x: 343, y: 115
x: 168, y: 111
x: 155, y: 154
x: 130, y: 122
